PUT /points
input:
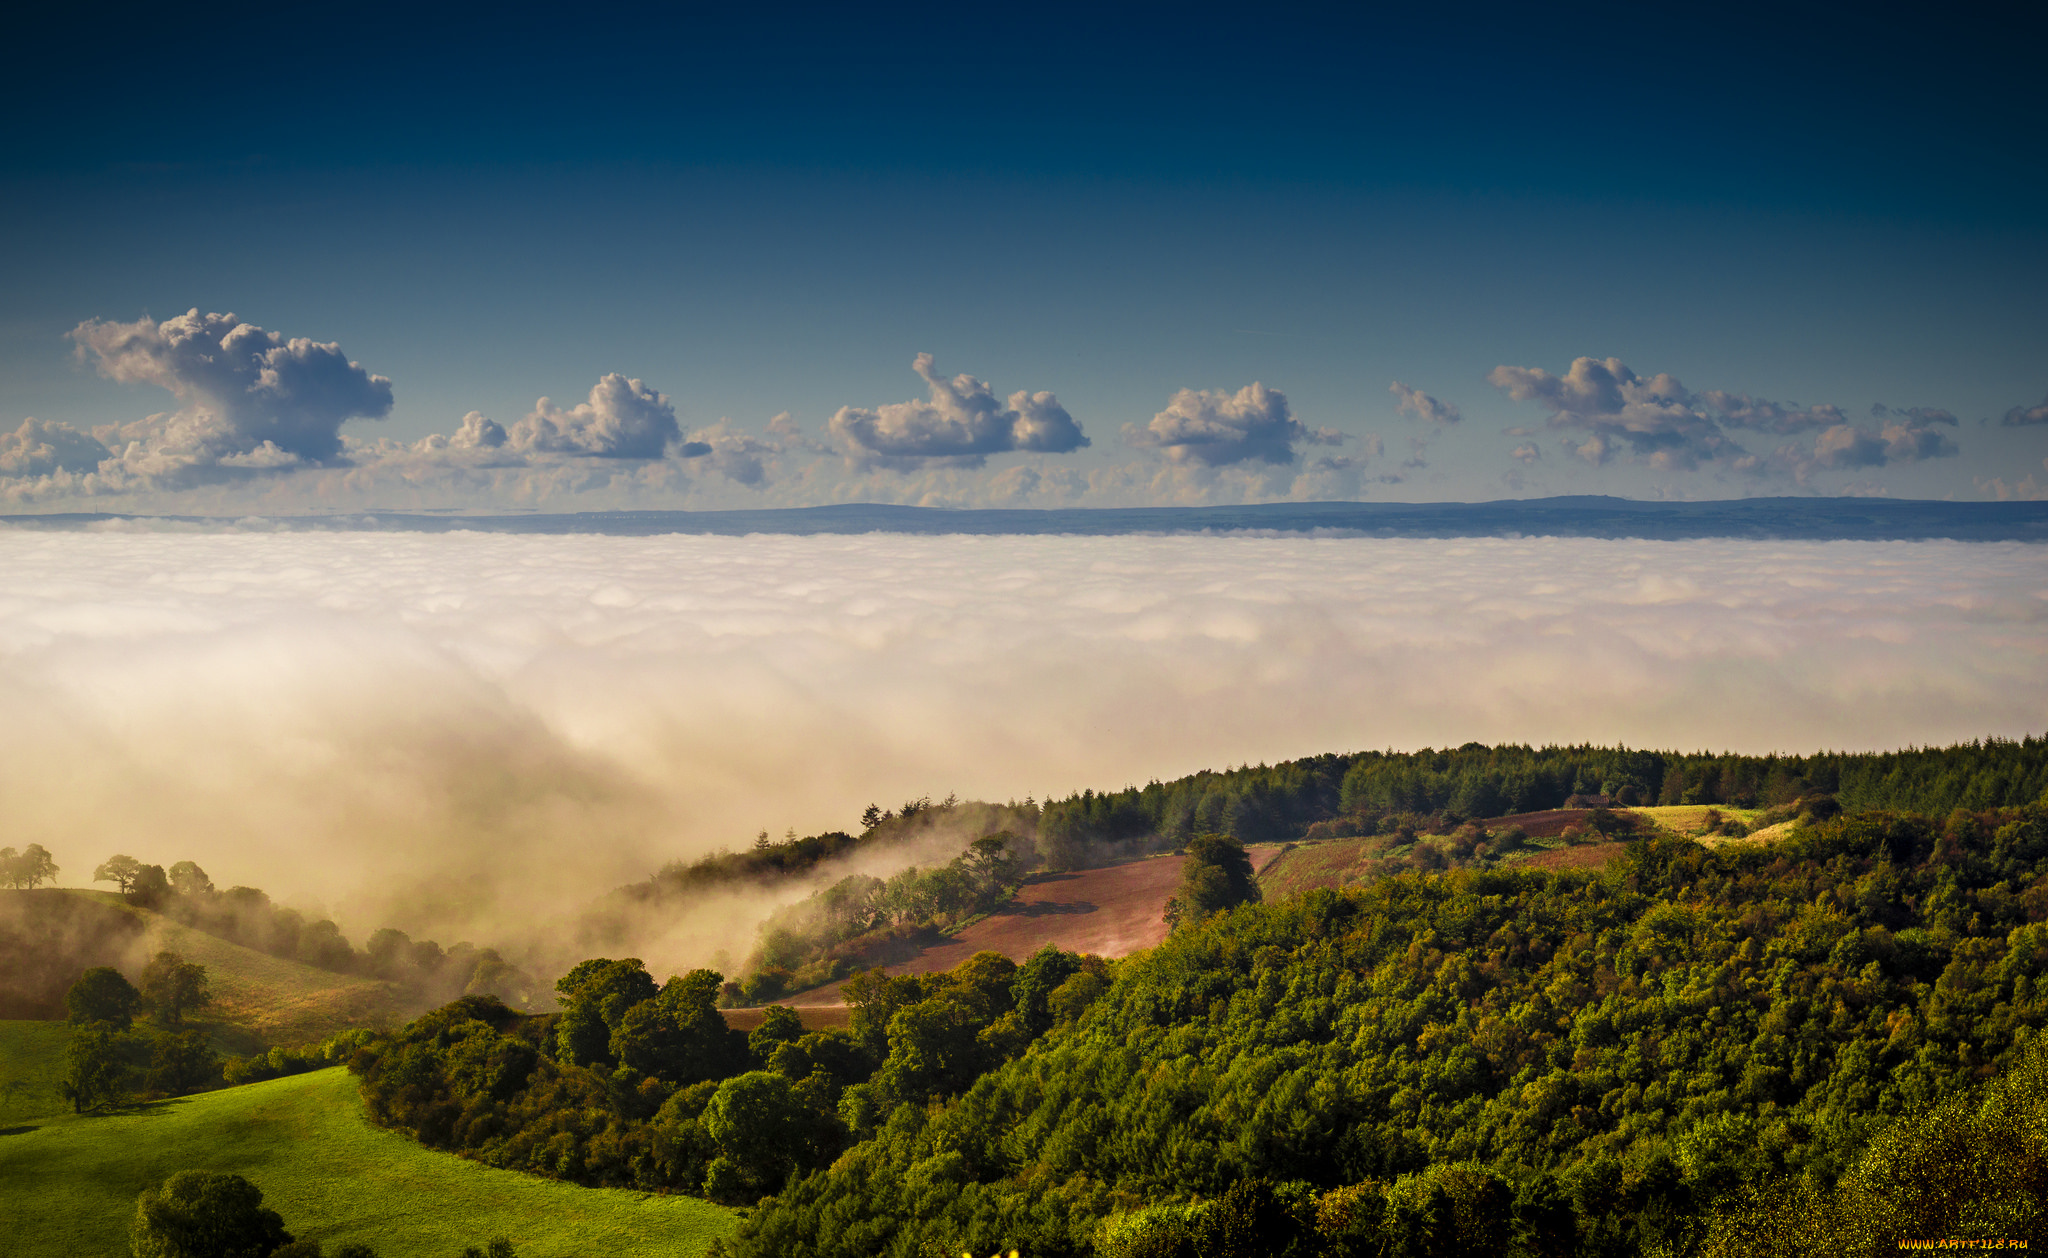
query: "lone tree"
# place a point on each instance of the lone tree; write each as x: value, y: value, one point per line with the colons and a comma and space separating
x: 1218, y: 876
x: 102, y: 997
x: 203, y: 1214
x: 171, y: 985
x: 119, y: 870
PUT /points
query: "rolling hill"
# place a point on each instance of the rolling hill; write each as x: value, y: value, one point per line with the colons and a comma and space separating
x: 1337, y: 862
x: 48, y: 936
x: 71, y: 1181
x: 1112, y: 911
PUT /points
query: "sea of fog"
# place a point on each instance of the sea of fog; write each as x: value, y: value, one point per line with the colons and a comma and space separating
x: 459, y: 733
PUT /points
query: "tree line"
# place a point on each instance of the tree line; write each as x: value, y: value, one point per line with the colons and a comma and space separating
x: 768, y: 862
x: 109, y: 1059
x: 247, y: 916
x: 27, y: 869
x: 1279, y: 803
x: 643, y: 1085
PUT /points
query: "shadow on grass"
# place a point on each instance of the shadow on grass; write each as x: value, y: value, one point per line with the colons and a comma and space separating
x: 22, y: 1130
x: 157, y: 1107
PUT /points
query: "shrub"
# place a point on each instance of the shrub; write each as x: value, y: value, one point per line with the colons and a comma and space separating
x: 203, y: 1214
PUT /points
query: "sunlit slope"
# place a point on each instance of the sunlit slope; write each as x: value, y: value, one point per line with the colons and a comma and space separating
x: 70, y: 1182
x: 31, y: 1068
x: 1339, y: 862
x: 273, y: 1000
x: 280, y: 1001
x: 1110, y: 910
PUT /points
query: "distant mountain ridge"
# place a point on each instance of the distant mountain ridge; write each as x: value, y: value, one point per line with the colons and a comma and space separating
x: 1790, y: 519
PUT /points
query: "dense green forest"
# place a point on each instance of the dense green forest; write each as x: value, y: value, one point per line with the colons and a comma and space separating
x: 1480, y: 1061
x: 1603, y: 1058
x: 1280, y: 802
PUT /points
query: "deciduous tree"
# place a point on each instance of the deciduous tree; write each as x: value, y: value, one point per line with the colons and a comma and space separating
x: 188, y: 879
x: 102, y: 996
x: 205, y: 1214
x: 28, y: 868
x: 119, y: 870
x: 171, y: 985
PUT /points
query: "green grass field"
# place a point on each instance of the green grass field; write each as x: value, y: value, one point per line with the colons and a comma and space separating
x: 276, y: 1001
x: 31, y: 1064
x: 68, y: 1184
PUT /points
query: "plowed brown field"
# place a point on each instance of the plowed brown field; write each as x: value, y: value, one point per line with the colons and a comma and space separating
x: 1112, y: 911
x: 1542, y: 825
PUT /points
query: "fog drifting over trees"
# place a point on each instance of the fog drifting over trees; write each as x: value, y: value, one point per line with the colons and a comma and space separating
x: 428, y: 731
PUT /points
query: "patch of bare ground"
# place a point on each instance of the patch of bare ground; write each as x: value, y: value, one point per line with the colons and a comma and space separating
x: 1586, y: 856
x: 1547, y: 824
x: 814, y: 1017
x: 1327, y: 864
x: 1111, y: 911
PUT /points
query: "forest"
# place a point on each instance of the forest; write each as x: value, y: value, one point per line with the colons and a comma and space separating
x: 1778, y: 1047
x: 1278, y: 803
x: 1648, y: 1059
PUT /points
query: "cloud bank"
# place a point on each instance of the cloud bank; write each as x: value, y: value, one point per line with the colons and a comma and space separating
x: 434, y: 730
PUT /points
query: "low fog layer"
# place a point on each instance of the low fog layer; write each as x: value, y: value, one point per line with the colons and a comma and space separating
x: 460, y: 733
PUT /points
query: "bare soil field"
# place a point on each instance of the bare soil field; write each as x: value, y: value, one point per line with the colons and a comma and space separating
x: 1543, y: 825
x: 1111, y: 911
x: 814, y: 1017
x: 1590, y: 856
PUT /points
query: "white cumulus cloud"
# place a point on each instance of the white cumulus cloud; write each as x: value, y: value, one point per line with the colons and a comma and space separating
x: 961, y: 424
x: 248, y: 398
x: 621, y: 419
x: 1216, y: 428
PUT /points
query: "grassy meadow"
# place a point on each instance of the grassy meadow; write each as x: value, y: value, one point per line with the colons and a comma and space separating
x: 71, y: 1181
x: 275, y: 1001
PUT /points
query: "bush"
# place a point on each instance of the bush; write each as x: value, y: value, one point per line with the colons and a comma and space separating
x: 202, y: 1214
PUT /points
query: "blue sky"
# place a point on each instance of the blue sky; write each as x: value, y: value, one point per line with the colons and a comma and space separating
x: 1776, y: 220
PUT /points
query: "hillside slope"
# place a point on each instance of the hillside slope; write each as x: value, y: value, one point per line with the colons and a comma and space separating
x: 1341, y: 862
x: 258, y: 999
x: 72, y: 1182
x: 1112, y: 911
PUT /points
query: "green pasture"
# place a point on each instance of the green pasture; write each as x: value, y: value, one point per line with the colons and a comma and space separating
x: 31, y: 1065
x: 70, y: 1182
